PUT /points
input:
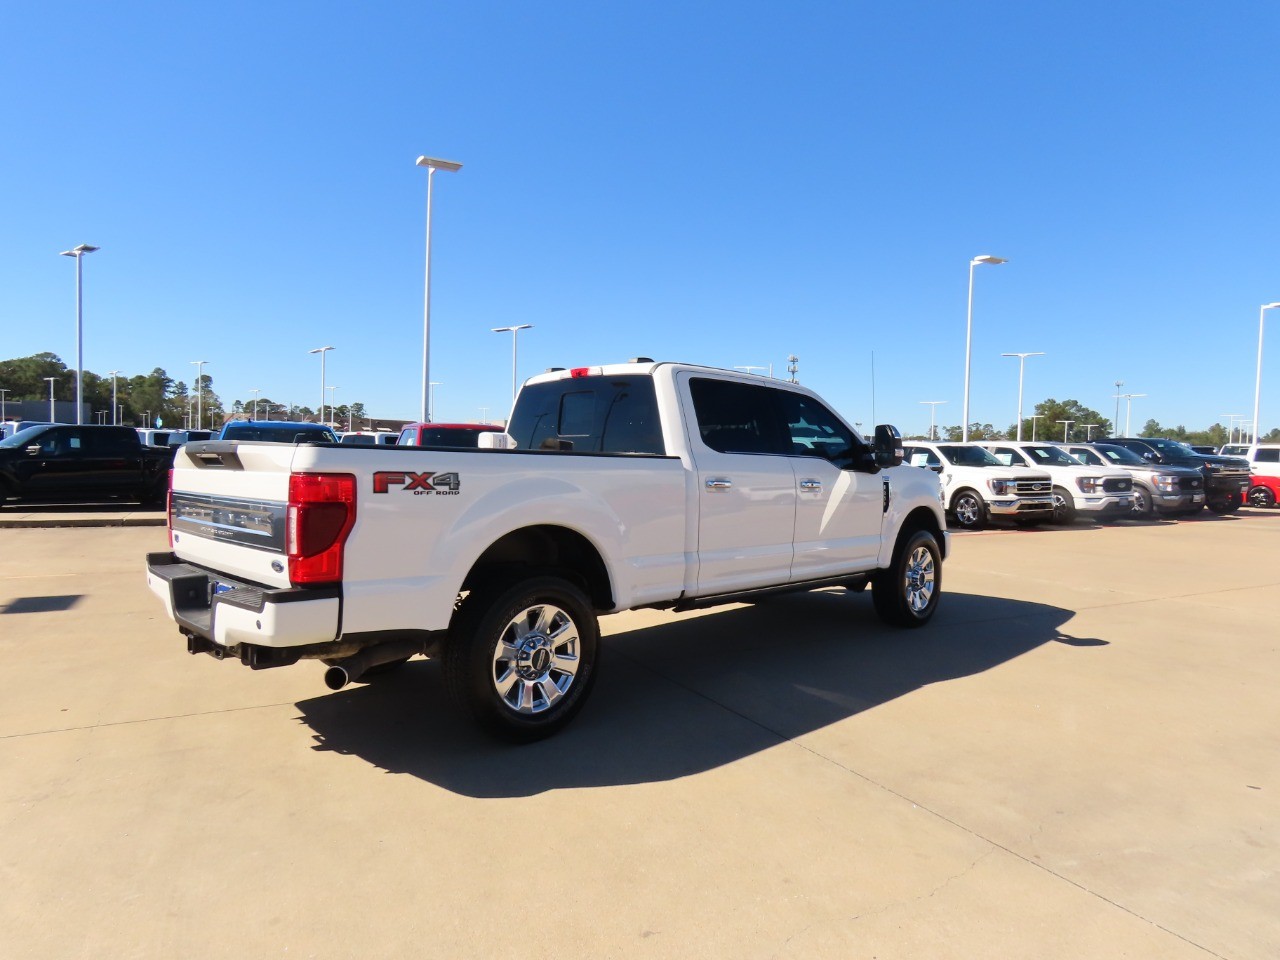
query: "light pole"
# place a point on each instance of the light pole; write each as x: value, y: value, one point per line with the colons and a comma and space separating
x: 1066, y: 427
x: 793, y: 367
x: 322, y: 351
x: 1022, y: 360
x: 52, y: 416
x: 1088, y: 431
x: 515, y: 334
x: 146, y: 421
x: 1257, y: 390
x: 1128, y: 408
x: 431, y: 398
x: 333, y: 391
x: 3, y: 391
x: 115, y: 420
x: 199, y: 365
x: 1115, y: 424
x: 484, y: 414
x: 432, y: 164
x: 968, y: 337
x: 1231, y: 428
x: 78, y: 253
x: 1034, y: 417
x: 933, y: 409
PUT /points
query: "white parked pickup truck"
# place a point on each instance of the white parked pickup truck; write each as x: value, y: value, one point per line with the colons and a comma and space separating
x: 976, y: 486
x: 1099, y: 493
x: 630, y: 485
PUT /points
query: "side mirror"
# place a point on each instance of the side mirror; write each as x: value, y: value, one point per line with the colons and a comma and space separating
x: 888, y: 446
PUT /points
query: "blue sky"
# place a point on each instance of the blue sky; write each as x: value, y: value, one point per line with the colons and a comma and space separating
x: 723, y: 183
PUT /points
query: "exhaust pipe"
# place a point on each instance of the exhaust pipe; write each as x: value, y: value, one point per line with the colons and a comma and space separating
x: 352, y: 668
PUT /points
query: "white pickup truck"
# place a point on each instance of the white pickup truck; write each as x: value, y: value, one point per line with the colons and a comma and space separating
x: 617, y: 487
x: 976, y: 486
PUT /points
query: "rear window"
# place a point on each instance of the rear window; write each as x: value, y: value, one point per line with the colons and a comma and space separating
x: 589, y: 414
x: 275, y: 434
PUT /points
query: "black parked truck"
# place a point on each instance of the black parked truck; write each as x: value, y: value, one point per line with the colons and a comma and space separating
x: 1226, y: 479
x: 66, y: 463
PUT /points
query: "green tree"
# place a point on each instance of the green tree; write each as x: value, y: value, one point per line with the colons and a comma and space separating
x: 1052, y: 411
x: 977, y: 431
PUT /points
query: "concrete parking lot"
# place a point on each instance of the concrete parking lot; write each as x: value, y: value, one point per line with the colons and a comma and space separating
x: 1079, y: 757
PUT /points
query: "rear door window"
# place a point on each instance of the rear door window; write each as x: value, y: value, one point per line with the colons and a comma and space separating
x: 737, y: 417
x: 590, y: 415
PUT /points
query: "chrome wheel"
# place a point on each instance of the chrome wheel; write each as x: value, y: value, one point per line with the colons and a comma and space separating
x: 535, y: 660
x: 968, y: 511
x: 921, y: 579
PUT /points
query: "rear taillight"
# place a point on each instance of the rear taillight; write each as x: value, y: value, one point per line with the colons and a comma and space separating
x: 322, y: 511
x: 168, y: 508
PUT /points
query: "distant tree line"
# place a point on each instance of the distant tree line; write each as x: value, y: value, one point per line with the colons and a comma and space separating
x: 1054, y: 419
x: 145, y: 399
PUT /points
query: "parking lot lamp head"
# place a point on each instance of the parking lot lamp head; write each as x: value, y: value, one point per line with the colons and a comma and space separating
x: 1257, y: 389
x: 968, y: 336
x: 432, y: 164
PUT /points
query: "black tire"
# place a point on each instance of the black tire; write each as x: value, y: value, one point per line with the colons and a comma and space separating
x: 1224, y: 506
x: 968, y: 510
x: 1143, y: 502
x: 907, y: 594
x: 1262, y: 497
x: 537, y: 690
x: 1064, y: 506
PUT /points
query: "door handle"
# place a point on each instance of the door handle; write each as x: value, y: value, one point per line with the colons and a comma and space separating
x: 811, y: 485
x: 718, y: 483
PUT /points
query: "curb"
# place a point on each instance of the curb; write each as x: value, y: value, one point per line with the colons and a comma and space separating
x: 82, y: 520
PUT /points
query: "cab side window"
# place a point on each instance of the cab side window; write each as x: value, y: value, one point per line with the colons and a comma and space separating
x: 1009, y: 457
x: 1087, y: 456
x: 813, y: 430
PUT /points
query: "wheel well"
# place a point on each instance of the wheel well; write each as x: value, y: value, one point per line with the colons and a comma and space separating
x: 921, y: 518
x: 544, y: 549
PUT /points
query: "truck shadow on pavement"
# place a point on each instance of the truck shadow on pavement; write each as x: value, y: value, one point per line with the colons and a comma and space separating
x: 688, y: 695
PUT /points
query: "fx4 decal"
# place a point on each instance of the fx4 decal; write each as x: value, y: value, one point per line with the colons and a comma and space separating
x: 442, y: 484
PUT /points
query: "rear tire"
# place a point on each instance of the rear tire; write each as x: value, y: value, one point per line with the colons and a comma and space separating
x: 906, y: 595
x: 521, y: 659
x: 1262, y: 497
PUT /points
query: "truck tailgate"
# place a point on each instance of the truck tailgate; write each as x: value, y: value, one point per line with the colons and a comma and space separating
x: 229, y: 508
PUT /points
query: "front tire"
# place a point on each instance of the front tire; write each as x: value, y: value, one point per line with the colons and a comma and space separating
x: 907, y: 594
x: 1064, y: 506
x: 969, y: 511
x: 1225, y: 506
x: 1261, y: 497
x: 521, y: 660
x: 1143, y: 504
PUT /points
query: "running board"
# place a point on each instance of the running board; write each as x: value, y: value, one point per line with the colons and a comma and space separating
x: 856, y: 582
